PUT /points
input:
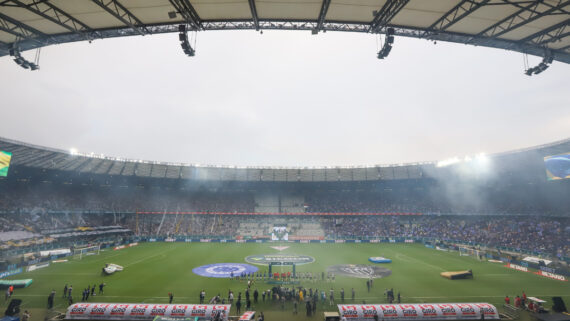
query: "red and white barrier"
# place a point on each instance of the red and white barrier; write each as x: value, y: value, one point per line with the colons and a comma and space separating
x: 427, y: 311
x: 130, y: 311
x: 120, y: 247
x: 247, y: 316
x: 517, y: 267
x: 551, y: 275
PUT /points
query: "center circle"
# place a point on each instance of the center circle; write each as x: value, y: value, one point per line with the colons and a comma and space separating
x: 224, y: 270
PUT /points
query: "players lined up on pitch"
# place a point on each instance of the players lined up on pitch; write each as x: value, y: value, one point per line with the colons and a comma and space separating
x: 284, y: 276
x: 297, y: 296
x: 68, y: 293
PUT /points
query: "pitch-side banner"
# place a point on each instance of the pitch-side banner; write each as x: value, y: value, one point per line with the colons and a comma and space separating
x: 427, y: 311
x: 129, y: 311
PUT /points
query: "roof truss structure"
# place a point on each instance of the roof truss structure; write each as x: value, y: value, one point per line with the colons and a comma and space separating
x: 528, y: 26
x: 383, y: 17
x: 117, y: 10
x: 185, y: 8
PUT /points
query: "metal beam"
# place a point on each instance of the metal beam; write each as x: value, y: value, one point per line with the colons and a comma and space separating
x: 389, y: 10
x: 55, y: 15
x: 519, y: 19
x: 323, y: 14
x: 117, y: 10
x: 508, y: 21
x: 18, y: 29
x: 254, y: 16
x: 460, y: 11
x: 405, y: 31
x: 551, y: 34
x: 185, y: 8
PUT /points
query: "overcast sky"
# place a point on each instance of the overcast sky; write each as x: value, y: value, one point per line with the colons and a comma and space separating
x: 282, y: 99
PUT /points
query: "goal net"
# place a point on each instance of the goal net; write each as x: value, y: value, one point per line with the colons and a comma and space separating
x: 466, y: 251
x: 89, y: 250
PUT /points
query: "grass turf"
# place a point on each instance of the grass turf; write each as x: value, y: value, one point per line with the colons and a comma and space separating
x: 154, y: 269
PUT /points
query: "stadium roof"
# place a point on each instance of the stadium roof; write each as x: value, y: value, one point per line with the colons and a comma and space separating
x: 532, y: 27
x: 31, y: 156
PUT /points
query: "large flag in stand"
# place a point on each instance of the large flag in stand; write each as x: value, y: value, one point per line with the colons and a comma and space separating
x: 5, y: 158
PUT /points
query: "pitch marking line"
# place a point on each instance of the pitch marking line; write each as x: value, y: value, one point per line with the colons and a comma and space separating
x: 419, y: 261
x: 148, y: 257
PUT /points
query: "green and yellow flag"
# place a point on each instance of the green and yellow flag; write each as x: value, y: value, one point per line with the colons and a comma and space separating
x: 5, y: 158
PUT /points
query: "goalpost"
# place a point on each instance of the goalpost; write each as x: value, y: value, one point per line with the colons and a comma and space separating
x: 89, y: 250
x: 467, y: 251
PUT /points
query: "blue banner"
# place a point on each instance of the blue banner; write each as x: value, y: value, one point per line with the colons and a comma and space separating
x: 10, y: 272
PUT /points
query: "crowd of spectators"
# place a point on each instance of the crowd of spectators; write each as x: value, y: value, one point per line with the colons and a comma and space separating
x: 207, y: 225
x: 120, y: 200
x: 432, y: 201
x: 530, y: 233
x: 130, y: 200
x: 36, y: 208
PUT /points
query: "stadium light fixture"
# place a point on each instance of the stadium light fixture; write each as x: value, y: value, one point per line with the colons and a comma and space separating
x: 448, y: 162
x: 73, y: 151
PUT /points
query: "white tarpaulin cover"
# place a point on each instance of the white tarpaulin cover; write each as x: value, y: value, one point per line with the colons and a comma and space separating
x: 536, y: 260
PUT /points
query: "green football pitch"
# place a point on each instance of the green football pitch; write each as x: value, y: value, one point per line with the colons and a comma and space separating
x: 152, y: 270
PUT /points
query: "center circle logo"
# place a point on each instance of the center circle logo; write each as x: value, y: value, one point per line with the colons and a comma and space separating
x: 359, y: 271
x: 284, y: 259
x: 224, y: 270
